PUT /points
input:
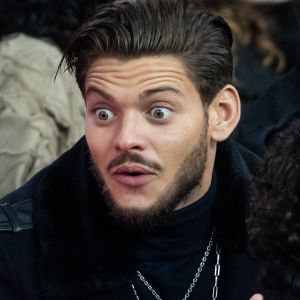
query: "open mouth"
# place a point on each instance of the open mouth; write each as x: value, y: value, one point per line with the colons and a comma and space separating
x: 132, y: 175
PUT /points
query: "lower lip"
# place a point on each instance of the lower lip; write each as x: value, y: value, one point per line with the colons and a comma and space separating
x: 133, y: 181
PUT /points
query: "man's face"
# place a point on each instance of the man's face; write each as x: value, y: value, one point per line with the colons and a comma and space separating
x: 148, y: 134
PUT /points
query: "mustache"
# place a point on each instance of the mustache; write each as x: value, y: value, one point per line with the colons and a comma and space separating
x: 136, y: 158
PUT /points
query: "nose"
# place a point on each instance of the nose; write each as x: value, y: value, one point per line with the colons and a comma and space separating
x: 130, y: 135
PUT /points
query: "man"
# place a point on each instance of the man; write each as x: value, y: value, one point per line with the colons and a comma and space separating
x: 150, y: 203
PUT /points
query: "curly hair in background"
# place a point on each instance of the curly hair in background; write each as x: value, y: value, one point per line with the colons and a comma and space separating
x: 274, y: 216
x: 52, y: 19
x: 251, y: 29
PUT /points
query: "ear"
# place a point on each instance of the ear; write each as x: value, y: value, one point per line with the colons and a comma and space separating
x: 224, y: 113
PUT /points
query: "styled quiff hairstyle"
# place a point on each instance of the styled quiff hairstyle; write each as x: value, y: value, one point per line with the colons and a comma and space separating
x: 129, y: 29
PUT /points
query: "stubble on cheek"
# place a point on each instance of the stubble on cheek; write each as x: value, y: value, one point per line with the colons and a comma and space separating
x: 187, y: 178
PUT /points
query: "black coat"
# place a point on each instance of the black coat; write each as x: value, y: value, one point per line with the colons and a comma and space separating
x: 72, y: 249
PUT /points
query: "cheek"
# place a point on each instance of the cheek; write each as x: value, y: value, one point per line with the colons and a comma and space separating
x: 178, y: 143
x: 99, y: 147
x: 176, y: 148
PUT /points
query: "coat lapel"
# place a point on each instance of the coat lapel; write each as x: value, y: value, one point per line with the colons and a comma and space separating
x: 81, y: 253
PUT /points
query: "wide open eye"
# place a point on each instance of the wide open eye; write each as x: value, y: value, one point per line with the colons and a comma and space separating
x: 160, y: 113
x: 104, y: 114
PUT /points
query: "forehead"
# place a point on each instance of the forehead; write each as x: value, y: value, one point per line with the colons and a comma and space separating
x: 140, y: 73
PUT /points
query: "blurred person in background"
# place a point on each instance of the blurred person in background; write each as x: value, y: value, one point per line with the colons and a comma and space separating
x: 274, y: 219
x: 260, y: 55
x: 39, y: 118
x: 282, y: 27
x: 277, y: 105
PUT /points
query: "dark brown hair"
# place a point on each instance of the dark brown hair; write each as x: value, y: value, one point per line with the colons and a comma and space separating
x: 130, y: 29
x: 274, y: 217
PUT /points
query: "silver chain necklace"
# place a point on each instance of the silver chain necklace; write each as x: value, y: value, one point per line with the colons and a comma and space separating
x: 195, y: 279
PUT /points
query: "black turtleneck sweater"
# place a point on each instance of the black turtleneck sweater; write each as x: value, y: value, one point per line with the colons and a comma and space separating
x: 169, y: 256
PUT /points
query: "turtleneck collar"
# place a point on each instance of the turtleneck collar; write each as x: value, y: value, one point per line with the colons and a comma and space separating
x: 177, y: 237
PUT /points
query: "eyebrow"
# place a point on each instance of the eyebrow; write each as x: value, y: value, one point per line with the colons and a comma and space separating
x: 160, y: 90
x: 145, y: 94
x: 98, y: 91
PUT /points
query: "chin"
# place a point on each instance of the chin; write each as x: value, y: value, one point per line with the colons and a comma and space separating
x: 136, y: 215
x: 133, y: 203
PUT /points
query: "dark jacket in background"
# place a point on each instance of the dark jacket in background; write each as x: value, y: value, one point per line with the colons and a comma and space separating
x: 276, y: 107
x: 75, y: 251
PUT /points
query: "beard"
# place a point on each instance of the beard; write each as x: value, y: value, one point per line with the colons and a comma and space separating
x: 188, y: 177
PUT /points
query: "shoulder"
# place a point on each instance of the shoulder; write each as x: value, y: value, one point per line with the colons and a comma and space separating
x: 237, y: 159
x: 16, y: 207
x: 17, y: 252
x: 17, y: 243
x: 235, y: 165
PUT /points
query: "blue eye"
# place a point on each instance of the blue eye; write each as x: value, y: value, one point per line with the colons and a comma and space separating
x: 104, y: 114
x: 160, y: 112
